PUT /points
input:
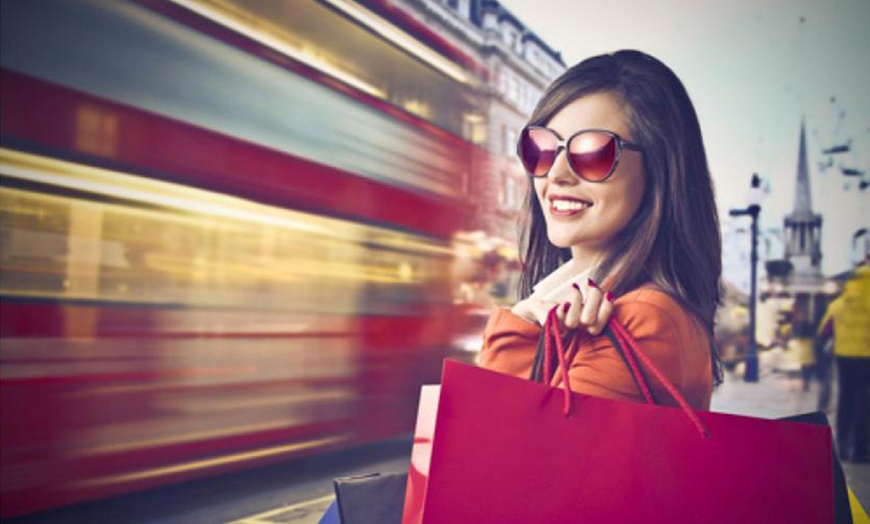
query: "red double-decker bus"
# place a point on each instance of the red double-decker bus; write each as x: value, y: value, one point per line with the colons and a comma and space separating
x: 226, y: 236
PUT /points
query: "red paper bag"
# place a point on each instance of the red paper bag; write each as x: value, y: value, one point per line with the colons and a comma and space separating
x: 421, y: 455
x: 504, y: 451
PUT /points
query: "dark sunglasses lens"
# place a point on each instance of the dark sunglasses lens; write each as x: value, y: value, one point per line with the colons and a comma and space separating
x: 592, y: 155
x: 537, y: 151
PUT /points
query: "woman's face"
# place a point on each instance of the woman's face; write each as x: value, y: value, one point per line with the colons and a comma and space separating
x: 588, y: 229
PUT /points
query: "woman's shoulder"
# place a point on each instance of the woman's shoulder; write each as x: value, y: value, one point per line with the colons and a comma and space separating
x: 649, y: 308
x: 652, y: 296
x: 672, y: 336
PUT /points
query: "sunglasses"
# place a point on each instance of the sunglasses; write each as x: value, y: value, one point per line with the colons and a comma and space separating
x: 593, y: 154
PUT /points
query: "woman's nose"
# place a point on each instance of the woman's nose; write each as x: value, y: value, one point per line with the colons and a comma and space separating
x: 560, y: 172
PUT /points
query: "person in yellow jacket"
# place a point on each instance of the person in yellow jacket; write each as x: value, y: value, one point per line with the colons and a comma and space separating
x: 801, y: 341
x: 847, y: 320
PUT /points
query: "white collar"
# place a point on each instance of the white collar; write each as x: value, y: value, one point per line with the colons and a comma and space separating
x: 556, y: 285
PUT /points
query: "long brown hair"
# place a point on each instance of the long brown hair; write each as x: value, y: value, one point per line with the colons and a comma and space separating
x: 673, y: 239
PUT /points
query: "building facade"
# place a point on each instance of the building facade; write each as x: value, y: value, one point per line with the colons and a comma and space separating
x: 517, y: 65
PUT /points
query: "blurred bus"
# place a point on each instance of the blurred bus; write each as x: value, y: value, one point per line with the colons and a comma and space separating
x: 226, y: 236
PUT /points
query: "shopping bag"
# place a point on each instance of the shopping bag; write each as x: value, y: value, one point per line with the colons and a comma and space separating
x: 366, y: 499
x: 842, y: 508
x: 509, y: 450
x: 421, y: 455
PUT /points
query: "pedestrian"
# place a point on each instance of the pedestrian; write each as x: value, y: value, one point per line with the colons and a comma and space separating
x: 847, y: 321
x: 825, y: 372
x: 620, y: 220
x: 802, y: 343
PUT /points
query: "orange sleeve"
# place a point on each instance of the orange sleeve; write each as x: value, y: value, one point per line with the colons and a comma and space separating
x: 509, y: 343
x: 675, y: 343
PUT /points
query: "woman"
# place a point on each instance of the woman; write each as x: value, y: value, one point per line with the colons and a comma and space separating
x: 620, y: 220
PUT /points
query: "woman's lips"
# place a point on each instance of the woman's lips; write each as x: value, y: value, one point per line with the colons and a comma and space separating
x: 562, y: 206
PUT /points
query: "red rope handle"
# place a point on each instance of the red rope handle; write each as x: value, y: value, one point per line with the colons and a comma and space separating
x: 626, y: 337
x: 563, y: 364
x: 553, y: 321
x: 639, y: 379
x: 548, y: 349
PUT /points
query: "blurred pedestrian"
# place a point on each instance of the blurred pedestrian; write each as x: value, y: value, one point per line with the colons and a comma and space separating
x: 802, y: 342
x: 824, y: 371
x: 622, y: 221
x: 847, y: 320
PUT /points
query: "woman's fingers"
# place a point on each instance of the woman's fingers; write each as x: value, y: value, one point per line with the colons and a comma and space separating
x: 589, y: 308
x: 604, y: 313
x: 575, y: 308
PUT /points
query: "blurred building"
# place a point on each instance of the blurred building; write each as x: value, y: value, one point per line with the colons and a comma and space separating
x: 521, y: 66
x: 792, y: 283
x: 803, y: 232
x: 518, y: 67
x: 797, y: 279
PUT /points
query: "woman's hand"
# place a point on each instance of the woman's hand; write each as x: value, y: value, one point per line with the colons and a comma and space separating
x: 589, y: 308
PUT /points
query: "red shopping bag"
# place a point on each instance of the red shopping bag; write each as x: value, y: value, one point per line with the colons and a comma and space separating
x: 503, y: 450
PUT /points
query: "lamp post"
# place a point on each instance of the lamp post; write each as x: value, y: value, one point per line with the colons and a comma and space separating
x: 752, y: 210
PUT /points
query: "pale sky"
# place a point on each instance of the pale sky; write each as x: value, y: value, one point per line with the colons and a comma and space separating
x: 754, y: 69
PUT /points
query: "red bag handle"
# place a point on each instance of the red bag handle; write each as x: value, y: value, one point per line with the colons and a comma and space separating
x: 626, y: 338
x: 632, y: 351
x: 552, y: 325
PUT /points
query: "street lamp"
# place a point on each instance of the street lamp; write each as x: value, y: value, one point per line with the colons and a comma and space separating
x: 753, y: 209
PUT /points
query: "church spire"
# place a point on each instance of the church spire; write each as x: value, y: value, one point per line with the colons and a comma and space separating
x: 803, y: 228
x: 803, y: 204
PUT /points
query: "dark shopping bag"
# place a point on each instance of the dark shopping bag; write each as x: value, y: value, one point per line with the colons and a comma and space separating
x: 509, y: 450
x: 842, y: 509
x: 367, y: 499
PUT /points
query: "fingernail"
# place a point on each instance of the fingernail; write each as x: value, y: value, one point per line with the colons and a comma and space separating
x: 592, y: 283
x: 575, y: 286
x: 609, y: 296
x: 565, y: 307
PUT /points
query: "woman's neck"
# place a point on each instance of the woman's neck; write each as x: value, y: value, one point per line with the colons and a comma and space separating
x: 585, y: 259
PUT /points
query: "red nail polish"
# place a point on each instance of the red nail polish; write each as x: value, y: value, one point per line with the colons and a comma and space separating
x: 609, y: 296
x: 592, y: 283
x: 575, y: 286
x: 565, y: 307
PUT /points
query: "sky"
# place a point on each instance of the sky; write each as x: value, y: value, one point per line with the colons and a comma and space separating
x: 754, y: 70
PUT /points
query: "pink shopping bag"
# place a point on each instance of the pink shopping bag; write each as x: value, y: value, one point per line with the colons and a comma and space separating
x: 502, y: 449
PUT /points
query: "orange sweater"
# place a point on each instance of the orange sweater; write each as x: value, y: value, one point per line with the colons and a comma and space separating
x: 671, y: 337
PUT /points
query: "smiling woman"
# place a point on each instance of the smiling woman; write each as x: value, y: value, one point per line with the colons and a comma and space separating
x: 623, y: 223
x: 581, y: 211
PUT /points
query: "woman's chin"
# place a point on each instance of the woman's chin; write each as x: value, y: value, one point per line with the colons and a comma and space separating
x: 561, y: 242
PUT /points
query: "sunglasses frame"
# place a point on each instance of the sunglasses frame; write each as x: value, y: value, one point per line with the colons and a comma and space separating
x: 563, y: 145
